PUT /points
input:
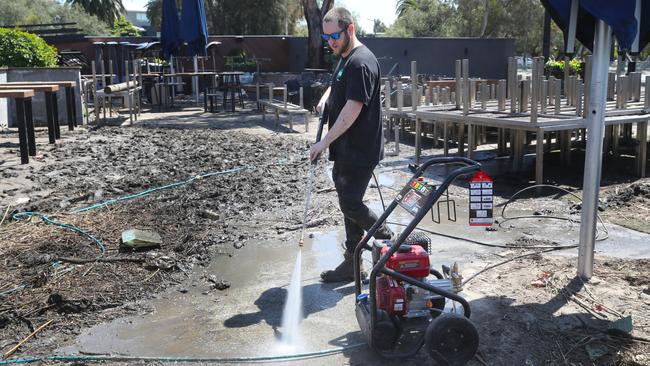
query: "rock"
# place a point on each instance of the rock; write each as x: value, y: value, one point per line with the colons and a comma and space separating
x: 21, y: 201
x: 135, y: 238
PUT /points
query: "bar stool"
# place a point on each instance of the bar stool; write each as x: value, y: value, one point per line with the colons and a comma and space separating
x: 232, y: 84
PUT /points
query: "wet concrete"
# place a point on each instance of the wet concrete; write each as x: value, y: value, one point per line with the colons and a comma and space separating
x: 244, y: 320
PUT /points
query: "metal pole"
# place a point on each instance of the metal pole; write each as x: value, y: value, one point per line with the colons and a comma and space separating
x: 595, y: 128
x: 195, y: 80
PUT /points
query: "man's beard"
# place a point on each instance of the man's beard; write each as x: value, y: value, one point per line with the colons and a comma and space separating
x: 345, y: 45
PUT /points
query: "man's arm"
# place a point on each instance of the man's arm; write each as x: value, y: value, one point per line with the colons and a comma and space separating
x: 346, y: 118
x: 323, y: 99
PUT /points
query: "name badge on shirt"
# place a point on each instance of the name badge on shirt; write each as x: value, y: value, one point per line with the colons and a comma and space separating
x: 339, y: 75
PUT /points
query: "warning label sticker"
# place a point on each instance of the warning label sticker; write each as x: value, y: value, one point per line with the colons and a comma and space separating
x: 481, y: 199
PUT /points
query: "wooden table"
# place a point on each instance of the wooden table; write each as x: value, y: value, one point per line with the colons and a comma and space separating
x: 26, y: 138
x: 53, y: 129
x: 71, y: 106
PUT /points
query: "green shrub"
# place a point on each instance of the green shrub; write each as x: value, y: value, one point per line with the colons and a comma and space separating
x: 556, y: 68
x: 22, y: 49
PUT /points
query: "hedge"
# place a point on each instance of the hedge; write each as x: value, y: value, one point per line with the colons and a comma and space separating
x: 22, y: 49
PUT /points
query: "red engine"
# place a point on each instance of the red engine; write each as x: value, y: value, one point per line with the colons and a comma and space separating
x: 409, y: 260
x: 391, y: 296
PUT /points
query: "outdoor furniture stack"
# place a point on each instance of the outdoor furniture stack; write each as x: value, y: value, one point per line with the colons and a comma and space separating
x: 536, y: 109
x: 278, y: 106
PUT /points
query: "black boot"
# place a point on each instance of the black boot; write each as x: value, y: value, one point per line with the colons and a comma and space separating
x: 344, y: 272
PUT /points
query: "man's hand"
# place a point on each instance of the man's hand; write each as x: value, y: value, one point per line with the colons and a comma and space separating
x: 316, y: 150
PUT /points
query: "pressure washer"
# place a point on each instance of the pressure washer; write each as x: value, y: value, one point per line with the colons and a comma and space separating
x: 405, y: 307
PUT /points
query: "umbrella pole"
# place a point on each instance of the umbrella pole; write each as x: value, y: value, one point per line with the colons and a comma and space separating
x: 593, y: 160
x: 171, y: 69
x: 195, y: 80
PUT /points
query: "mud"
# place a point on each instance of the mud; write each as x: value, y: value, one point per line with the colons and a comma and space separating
x: 52, y: 273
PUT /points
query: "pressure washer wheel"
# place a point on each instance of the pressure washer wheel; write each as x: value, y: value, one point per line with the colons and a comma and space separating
x: 451, y: 340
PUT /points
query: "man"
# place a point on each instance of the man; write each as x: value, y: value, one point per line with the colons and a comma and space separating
x: 355, y: 136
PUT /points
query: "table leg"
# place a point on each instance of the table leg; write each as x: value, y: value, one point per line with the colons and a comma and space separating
x: 29, y: 124
x: 73, y: 103
x: 22, y: 130
x: 51, y: 134
x: 68, y: 105
x: 55, y: 112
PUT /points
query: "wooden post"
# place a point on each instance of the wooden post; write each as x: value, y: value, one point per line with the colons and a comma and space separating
x: 513, y: 87
x: 646, y: 104
x: 587, y: 82
x: 300, y: 91
x: 579, y: 91
x: 415, y: 98
x: 501, y: 95
x: 285, y: 96
x: 400, y: 96
x: 525, y: 94
x: 94, y: 91
x: 466, y: 87
x: 459, y: 85
x: 544, y: 96
x: 558, y: 94
x: 611, y: 85
x: 567, y: 68
x: 535, y: 90
x: 539, y: 156
x: 110, y: 72
x: 484, y: 94
x: 270, y: 92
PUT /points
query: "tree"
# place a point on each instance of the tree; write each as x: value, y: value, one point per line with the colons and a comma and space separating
x: 106, y: 10
x: 122, y: 27
x: 378, y: 26
x: 19, y: 12
x: 425, y: 18
x: 518, y: 19
x: 314, y: 17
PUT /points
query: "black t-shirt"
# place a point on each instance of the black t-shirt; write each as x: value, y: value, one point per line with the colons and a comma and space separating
x: 357, y: 77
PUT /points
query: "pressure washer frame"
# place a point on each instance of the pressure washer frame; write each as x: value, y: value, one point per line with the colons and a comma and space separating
x: 380, y: 267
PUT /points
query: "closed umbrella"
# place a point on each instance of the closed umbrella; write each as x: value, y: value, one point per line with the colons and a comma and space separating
x: 193, y: 28
x: 170, y: 38
x: 194, y: 33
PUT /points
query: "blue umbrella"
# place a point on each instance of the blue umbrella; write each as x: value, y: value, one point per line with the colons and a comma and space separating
x: 617, y: 14
x: 194, y: 31
x: 170, y: 38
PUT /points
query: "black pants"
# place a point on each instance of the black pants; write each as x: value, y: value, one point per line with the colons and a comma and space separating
x: 351, y: 182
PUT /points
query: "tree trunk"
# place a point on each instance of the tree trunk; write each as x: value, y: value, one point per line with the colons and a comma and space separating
x: 485, y: 17
x: 314, y: 18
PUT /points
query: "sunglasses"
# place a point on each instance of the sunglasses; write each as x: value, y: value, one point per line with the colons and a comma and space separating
x: 335, y: 36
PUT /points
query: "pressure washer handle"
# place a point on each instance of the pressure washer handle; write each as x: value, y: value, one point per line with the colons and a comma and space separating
x: 321, y: 122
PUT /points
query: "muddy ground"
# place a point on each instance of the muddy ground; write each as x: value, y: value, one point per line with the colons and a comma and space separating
x: 56, y: 274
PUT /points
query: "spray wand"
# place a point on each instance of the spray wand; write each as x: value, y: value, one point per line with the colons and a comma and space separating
x: 310, y: 178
